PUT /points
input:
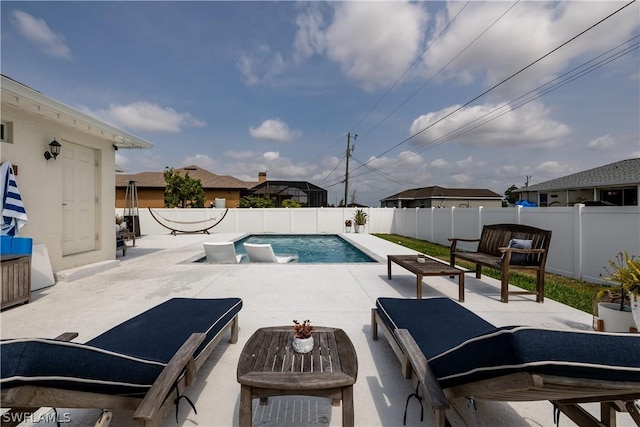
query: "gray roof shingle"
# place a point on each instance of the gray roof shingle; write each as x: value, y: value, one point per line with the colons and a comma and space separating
x: 624, y: 172
x: 435, y: 191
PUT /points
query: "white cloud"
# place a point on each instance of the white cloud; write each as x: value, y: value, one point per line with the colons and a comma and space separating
x: 274, y: 129
x: 374, y: 42
x: 309, y: 37
x: 271, y: 155
x: 146, y: 117
x: 602, y: 143
x: 201, y: 160
x: 528, y: 125
x: 38, y: 32
x: 260, y: 64
x: 527, y: 32
x: 553, y: 168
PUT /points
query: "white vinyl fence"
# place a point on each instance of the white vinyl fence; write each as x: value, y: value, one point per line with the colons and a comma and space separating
x: 583, y: 240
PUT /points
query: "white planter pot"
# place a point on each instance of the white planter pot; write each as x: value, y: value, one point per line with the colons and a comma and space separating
x: 302, y: 345
x: 615, y: 320
x: 635, y: 309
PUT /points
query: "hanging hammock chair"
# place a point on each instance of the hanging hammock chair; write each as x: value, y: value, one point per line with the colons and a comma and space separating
x: 186, y: 226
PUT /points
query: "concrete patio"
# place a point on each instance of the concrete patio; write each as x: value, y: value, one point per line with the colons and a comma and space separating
x: 338, y: 295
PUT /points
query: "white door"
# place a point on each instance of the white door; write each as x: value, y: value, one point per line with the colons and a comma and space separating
x: 78, y: 198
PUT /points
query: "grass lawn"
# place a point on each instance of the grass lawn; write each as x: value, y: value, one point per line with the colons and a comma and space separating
x: 571, y: 292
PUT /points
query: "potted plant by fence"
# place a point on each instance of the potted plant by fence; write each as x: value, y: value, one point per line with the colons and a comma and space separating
x: 360, y: 219
x: 302, y: 338
x: 622, y: 310
x: 347, y: 225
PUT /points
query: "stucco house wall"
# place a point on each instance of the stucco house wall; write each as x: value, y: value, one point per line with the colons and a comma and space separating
x: 35, y: 122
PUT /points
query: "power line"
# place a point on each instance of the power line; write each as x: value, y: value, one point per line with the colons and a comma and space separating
x: 530, y: 96
x: 501, y: 83
x: 442, y: 68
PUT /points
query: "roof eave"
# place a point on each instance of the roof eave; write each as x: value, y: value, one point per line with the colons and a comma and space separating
x: 30, y: 100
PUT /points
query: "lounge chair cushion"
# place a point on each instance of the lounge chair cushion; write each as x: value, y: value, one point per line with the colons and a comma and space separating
x: 72, y: 366
x: 461, y: 347
x: 577, y: 354
x: 440, y: 322
x: 123, y: 360
x: 158, y: 333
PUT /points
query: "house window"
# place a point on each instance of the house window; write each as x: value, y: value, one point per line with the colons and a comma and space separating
x: 620, y: 196
x: 6, y: 131
x: 544, y: 199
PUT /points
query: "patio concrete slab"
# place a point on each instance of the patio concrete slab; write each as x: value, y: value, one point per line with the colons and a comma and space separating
x: 338, y: 295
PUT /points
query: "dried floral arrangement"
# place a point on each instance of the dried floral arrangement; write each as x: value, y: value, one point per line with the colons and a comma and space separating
x: 303, y: 330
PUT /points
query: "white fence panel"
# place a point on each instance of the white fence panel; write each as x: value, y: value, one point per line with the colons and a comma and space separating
x: 583, y: 240
x: 466, y: 225
x: 608, y: 231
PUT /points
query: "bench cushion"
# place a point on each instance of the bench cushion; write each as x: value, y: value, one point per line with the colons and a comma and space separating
x: 124, y: 360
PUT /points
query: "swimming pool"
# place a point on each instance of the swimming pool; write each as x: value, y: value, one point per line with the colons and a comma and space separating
x: 310, y: 248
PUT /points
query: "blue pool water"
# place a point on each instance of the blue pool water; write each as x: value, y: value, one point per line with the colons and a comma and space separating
x: 310, y: 248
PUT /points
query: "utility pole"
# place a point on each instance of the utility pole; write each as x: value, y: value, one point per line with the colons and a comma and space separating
x: 346, y: 175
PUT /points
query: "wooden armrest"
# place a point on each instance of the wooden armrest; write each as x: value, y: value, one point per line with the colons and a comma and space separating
x: 158, y: 392
x: 67, y: 336
x: 453, y: 239
x: 421, y: 367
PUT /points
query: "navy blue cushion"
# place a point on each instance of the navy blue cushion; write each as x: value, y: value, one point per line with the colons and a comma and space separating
x: 126, y: 359
x: 158, y: 333
x: 461, y: 347
x: 73, y: 366
x: 577, y: 354
x: 437, y: 324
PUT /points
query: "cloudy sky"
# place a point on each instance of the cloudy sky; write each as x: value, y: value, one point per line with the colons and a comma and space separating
x: 455, y: 94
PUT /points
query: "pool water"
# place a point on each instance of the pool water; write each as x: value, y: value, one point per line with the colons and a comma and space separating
x: 310, y: 248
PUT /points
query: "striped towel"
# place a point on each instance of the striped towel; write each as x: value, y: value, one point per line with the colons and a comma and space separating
x: 14, y: 216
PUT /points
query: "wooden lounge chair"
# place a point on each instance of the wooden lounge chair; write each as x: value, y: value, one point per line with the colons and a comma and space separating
x: 143, y: 364
x: 221, y: 253
x: 453, y: 353
x: 263, y: 252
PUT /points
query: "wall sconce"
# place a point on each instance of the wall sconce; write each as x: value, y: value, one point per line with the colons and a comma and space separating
x: 54, y: 150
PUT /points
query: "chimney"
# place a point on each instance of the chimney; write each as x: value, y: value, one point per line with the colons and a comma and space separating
x: 262, y: 177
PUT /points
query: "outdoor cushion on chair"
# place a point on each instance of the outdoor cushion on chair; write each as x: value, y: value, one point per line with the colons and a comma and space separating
x: 125, y: 361
x: 457, y: 354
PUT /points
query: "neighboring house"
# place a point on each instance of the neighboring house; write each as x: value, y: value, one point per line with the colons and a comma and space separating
x: 151, y: 185
x: 613, y: 184
x: 440, y: 197
x: 69, y: 199
x: 305, y: 193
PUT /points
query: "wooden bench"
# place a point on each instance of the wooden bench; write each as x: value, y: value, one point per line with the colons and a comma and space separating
x: 493, y: 251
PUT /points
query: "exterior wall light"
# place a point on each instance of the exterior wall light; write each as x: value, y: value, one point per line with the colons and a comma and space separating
x: 54, y: 150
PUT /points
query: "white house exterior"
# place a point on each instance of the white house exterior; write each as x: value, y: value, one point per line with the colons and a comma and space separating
x: 69, y: 200
x: 613, y: 184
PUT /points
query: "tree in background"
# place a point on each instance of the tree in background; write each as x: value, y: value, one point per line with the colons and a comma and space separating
x: 182, y: 191
x: 257, y: 202
x: 510, y: 195
x: 290, y: 203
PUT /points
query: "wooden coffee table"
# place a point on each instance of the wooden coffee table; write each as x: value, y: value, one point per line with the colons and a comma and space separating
x: 268, y: 366
x: 430, y: 267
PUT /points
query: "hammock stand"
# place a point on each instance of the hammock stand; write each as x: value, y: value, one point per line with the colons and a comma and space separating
x: 174, y: 231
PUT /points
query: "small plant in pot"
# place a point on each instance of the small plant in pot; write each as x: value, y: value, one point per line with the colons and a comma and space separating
x: 625, y: 271
x: 347, y: 225
x: 360, y: 218
x: 302, y: 338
